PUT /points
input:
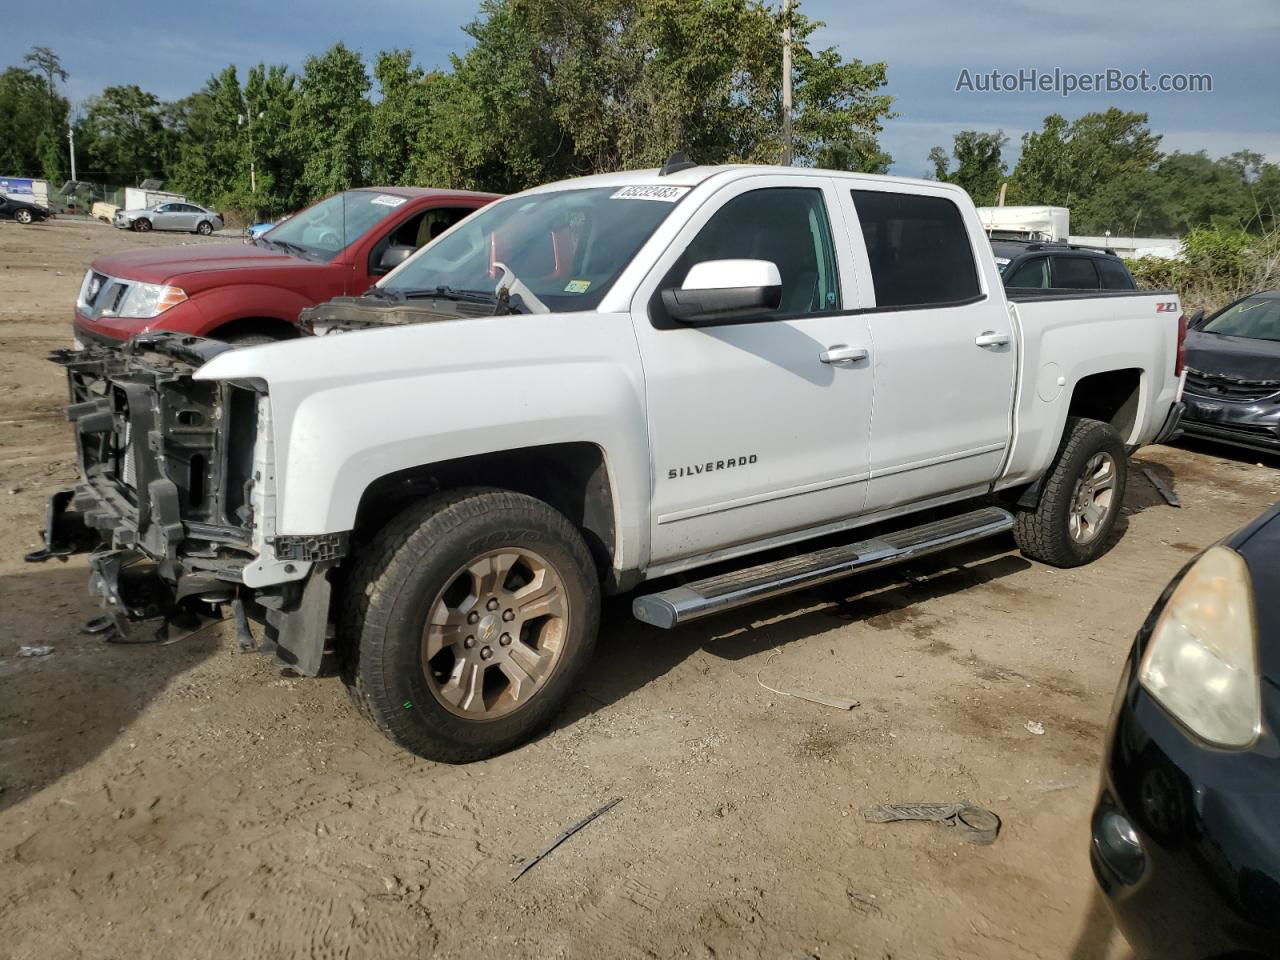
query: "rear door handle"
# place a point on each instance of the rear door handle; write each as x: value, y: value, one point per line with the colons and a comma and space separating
x: 989, y: 338
x: 843, y: 354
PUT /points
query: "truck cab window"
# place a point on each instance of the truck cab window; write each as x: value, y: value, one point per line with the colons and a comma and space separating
x: 918, y: 248
x: 785, y: 225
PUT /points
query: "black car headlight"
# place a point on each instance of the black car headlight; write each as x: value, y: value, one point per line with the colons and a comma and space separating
x: 1201, y: 662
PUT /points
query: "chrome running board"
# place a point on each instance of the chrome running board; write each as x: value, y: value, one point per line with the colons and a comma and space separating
x: 693, y: 601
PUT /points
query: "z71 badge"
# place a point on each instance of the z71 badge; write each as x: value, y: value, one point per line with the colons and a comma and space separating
x: 675, y: 473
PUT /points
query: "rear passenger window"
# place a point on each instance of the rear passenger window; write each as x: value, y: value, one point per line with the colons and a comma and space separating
x: 1114, y: 275
x: 1032, y: 273
x: 1074, y: 273
x: 918, y: 249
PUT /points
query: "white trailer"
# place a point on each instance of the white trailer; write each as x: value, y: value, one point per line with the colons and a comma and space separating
x: 1026, y: 223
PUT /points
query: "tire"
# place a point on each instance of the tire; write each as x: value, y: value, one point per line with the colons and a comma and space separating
x: 204, y: 228
x: 1056, y: 532
x: 141, y: 225
x: 418, y: 567
x: 23, y: 216
x: 249, y: 339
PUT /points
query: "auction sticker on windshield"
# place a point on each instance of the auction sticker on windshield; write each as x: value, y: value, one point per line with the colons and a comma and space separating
x: 386, y: 200
x: 660, y: 192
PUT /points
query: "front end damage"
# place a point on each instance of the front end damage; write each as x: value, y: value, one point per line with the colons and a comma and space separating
x: 176, y: 502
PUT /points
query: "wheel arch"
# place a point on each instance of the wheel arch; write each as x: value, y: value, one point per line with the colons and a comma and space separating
x: 572, y: 477
x: 268, y: 326
x: 1112, y: 396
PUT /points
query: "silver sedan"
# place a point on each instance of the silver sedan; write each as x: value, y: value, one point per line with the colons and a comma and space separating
x: 186, y: 217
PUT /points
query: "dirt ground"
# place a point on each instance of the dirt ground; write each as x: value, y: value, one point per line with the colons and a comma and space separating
x: 189, y: 801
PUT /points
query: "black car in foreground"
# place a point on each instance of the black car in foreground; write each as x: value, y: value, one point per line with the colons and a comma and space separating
x: 23, y: 211
x: 1186, y: 831
x: 1047, y: 265
x: 1233, y: 374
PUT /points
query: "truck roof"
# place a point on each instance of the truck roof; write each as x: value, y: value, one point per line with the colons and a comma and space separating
x: 693, y: 176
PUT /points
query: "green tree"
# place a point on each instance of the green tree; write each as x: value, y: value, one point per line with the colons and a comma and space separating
x: 123, y: 135
x: 45, y: 61
x: 556, y: 88
x: 208, y: 164
x: 33, y: 118
x: 1101, y: 165
x: 979, y: 165
x: 332, y: 121
x: 399, y: 117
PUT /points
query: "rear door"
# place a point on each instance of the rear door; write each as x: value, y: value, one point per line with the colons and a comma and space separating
x: 752, y: 433
x: 192, y: 215
x: 942, y: 349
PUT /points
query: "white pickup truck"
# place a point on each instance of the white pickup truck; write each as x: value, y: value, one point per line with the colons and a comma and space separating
x: 590, y: 386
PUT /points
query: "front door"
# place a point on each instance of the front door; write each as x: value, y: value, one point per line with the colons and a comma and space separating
x: 943, y: 350
x: 751, y: 433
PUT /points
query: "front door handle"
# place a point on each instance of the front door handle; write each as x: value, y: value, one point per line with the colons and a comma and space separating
x: 843, y: 354
x: 989, y: 338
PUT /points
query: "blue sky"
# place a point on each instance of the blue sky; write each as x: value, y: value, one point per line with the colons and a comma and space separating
x: 171, y: 49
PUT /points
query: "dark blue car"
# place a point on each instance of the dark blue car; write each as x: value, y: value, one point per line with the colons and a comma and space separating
x: 1186, y: 831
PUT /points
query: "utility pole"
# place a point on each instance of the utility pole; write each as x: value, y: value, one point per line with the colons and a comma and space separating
x: 786, y: 83
x: 71, y: 139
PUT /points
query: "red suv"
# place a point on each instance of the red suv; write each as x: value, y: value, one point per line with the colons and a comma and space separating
x: 251, y: 291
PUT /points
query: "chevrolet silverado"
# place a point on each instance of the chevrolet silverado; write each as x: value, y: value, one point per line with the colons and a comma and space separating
x: 701, y: 385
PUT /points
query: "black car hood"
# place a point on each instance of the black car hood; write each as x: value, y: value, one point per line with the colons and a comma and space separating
x: 1241, y: 358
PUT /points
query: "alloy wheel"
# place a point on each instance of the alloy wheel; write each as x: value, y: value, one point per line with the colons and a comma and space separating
x: 1094, y: 498
x: 495, y: 634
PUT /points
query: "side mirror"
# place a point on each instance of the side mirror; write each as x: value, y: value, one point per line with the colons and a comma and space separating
x: 393, y: 256
x: 718, y: 290
x: 1194, y: 321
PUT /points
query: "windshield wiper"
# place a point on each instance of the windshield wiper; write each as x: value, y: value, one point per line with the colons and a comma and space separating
x: 448, y: 293
x: 288, y: 247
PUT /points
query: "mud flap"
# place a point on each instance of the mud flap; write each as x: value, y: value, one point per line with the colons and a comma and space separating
x: 301, y: 627
x: 1172, y: 428
x: 65, y: 532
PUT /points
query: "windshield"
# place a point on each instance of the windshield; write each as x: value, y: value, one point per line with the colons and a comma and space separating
x: 326, y: 228
x: 1257, y: 318
x: 557, y: 251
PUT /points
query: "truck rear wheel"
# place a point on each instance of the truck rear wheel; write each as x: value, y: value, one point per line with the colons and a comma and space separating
x: 1080, y: 500
x: 468, y: 620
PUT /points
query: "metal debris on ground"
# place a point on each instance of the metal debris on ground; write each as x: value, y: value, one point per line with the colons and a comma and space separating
x: 38, y: 650
x: 840, y: 703
x: 1162, y: 488
x: 532, y: 862
x: 1035, y: 726
x: 976, y: 824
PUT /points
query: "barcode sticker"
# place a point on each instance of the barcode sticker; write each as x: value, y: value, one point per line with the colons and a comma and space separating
x: 660, y: 192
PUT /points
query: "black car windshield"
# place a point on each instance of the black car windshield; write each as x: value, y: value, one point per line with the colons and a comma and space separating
x: 565, y: 248
x: 325, y: 229
x: 1257, y: 318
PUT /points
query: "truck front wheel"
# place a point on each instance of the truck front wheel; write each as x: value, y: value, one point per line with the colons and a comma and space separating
x: 468, y: 621
x: 1080, y: 499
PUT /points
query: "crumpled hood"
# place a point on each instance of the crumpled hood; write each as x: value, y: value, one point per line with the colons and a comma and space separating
x: 167, y: 264
x: 1241, y: 358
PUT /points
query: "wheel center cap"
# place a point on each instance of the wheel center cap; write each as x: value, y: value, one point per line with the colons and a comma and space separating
x: 487, y: 628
